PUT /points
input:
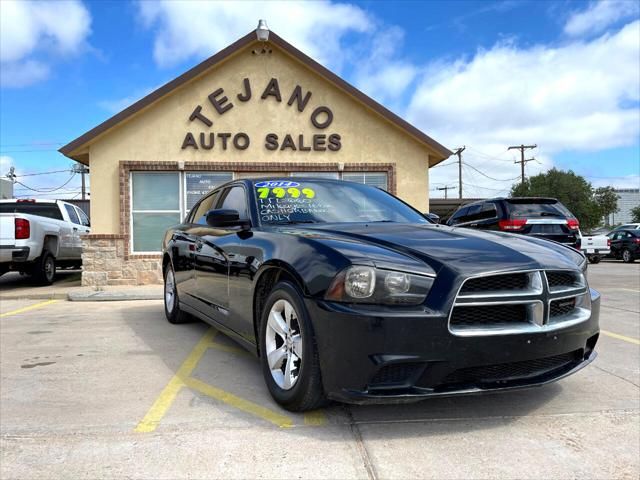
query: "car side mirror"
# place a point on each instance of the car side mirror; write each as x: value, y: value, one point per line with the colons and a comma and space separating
x: 432, y: 216
x: 223, y: 218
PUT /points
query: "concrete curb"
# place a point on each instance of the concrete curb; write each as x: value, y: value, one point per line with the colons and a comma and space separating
x: 35, y: 296
x: 113, y: 296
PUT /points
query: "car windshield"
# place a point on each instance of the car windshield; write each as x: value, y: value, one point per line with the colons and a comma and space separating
x: 537, y: 208
x: 283, y: 201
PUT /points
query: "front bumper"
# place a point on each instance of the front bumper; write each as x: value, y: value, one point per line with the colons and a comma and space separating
x: 370, y: 356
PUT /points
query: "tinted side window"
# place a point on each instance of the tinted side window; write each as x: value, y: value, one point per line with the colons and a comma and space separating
x: 488, y: 210
x: 48, y: 210
x: 234, y: 198
x: 473, y: 213
x: 458, y: 216
x: 73, y: 216
x: 199, y: 215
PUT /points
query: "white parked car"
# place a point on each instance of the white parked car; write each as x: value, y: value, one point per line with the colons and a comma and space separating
x: 37, y: 236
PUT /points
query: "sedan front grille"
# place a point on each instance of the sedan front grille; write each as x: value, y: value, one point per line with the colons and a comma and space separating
x: 562, y: 280
x: 395, y: 373
x: 519, y: 302
x: 511, y: 281
x: 511, y: 371
x: 489, y: 315
x: 559, y: 308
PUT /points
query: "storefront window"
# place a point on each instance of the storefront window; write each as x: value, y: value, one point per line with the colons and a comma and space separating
x: 200, y: 183
x: 335, y: 175
x: 155, y: 206
x: 375, y: 179
x: 162, y: 199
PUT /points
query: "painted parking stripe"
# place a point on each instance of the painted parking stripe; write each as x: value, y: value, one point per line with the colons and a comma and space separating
x: 166, y: 398
x: 239, y: 403
x: 26, y: 309
x: 183, y: 378
x: 635, y: 341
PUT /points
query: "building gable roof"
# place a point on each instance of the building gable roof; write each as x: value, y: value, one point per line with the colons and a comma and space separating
x: 70, y: 149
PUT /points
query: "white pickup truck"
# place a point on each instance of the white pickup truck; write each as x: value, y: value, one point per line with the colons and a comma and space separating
x: 595, y: 247
x: 37, y: 236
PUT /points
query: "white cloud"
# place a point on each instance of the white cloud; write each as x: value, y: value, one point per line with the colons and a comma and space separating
x: 582, y: 96
x: 599, y: 15
x: 32, y: 34
x: 380, y: 73
x: 201, y: 28
x: 6, y: 162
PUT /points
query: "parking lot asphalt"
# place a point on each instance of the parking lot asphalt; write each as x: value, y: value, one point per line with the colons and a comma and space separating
x: 111, y: 390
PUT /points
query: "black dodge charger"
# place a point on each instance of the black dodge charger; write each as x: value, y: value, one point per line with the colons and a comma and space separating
x: 347, y: 293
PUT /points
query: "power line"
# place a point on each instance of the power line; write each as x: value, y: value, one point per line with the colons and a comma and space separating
x: 47, y: 190
x: 490, y: 178
x: 491, y: 157
x: 42, y: 173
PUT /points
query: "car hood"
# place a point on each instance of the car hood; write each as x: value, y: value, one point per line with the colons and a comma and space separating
x: 465, y: 250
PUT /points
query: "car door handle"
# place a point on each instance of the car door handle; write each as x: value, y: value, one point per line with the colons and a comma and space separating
x: 473, y: 224
x: 75, y: 229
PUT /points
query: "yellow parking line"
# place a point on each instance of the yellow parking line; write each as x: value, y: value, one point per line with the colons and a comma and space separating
x: 164, y: 401
x: 621, y: 337
x: 239, y: 403
x: 26, y: 309
x: 230, y: 349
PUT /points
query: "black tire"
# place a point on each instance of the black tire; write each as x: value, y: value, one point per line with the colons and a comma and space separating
x: 594, y: 259
x: 627, y: 256
x: 307, y: 392
x: 44, y: 269
x: 172, y: 309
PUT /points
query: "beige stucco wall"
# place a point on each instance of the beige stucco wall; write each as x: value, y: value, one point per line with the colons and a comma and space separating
x: 157, y: 133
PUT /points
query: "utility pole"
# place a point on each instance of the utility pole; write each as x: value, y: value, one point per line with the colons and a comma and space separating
x: 446, y: 189
x: 82, y: 170
x: 522, y: 161
x: 458, y: 152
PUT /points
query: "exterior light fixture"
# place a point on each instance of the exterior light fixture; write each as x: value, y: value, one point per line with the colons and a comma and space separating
x: 262, y: 31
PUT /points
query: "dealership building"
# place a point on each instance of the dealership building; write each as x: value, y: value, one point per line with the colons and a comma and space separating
x: 258, y: 108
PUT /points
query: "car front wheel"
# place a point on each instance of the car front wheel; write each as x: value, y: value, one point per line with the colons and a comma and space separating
x: 289, y: 354
x: 171, y: 300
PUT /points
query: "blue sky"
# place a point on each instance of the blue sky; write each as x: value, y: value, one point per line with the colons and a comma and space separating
x: 562, y: 74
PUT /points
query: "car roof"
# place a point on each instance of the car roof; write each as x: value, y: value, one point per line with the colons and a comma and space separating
x: 31, y: 200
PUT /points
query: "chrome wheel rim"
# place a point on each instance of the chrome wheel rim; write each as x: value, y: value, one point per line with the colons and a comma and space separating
x: 49, y: 267
x: 169, y: 290
x: 626, y: 255
x: 283, y: 341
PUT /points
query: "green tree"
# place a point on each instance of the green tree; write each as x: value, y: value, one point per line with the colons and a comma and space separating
x: 587, y: 204
x: 635, y: 214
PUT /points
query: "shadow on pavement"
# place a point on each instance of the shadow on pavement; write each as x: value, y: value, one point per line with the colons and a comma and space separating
x: 240, y: 374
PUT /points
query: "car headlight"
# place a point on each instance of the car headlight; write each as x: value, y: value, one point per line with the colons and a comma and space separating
x: 361, y: 284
